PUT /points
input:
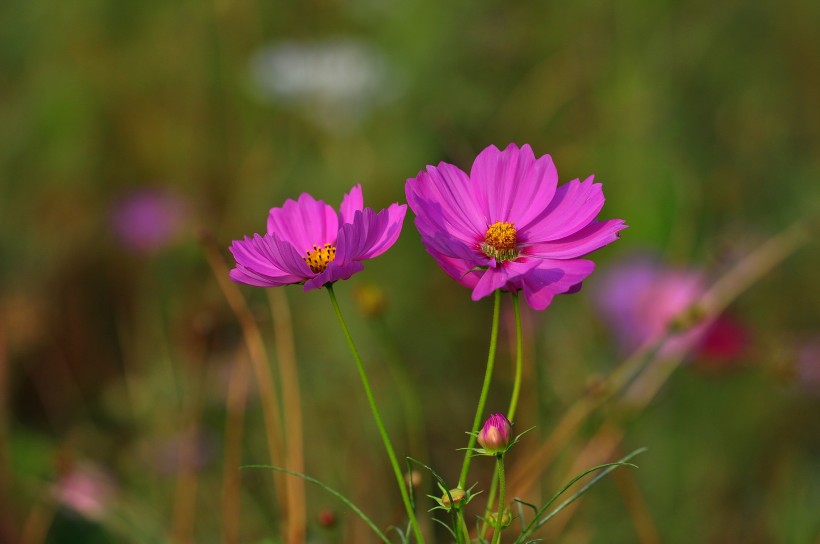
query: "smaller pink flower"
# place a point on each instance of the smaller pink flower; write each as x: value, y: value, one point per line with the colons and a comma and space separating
x: 146, y: 220
x: 86, y: 489
x: 807, y: 366
x: 641, y: 298
x: 496, y: 434
x: 309, y: 242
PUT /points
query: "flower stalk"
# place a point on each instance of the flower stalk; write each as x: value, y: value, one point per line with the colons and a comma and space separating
x: 482, y: 399
x: 388, y: 446
x: 499, y: 519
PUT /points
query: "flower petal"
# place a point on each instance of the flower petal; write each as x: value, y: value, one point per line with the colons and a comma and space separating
x: 333, y: 273
x: 351, y: 203
x: 508, y: 276
x: 304, y: 223
x: 267, y: 261
x: 513, y: 185
x: 595, y: 235
x: 551, y: 278
x: 383, y: 230
x: 573, y: 207
x: 446, y: 197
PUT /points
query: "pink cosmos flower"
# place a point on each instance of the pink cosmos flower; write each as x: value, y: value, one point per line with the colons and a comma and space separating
x: 507, y: 225
x: 641, y: 298
x: 309, y: 242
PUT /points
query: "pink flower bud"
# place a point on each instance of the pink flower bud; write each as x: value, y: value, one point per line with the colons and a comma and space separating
x: 495, y: 436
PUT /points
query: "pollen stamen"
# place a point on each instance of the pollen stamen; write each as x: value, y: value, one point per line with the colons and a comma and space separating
x: 318, y: 258
x: 500, y: 241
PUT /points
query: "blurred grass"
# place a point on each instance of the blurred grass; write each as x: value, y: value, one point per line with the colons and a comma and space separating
x: 701, y: 120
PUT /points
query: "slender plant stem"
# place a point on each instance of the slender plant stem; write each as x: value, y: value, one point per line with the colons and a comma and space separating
x: 518, y: 359
x: 385, y: 439
x: 513, y: 400
x: 499, y: 520
x: 462, y: 531
x: 482, y: 399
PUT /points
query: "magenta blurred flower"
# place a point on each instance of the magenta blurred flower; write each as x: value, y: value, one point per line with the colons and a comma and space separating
x: 509, y: 226
x: 807, y: 366
x: 86, y: 489
x: 146, y: 220
x: 496, y: 434
x: 640, y: 299
x: 309, y: 242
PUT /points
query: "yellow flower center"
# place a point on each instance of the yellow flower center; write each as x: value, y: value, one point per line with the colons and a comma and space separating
x: 318, y: 259
x: 500, y: 241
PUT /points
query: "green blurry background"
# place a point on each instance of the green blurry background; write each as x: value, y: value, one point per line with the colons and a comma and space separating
x: 701, y: 119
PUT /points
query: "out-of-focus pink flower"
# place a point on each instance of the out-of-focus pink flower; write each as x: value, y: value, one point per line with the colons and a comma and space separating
x: 807, y: 367
x: 507, y: 225
x: 86, y: 489
x: 309, y: 242
x: 496, y: 434
x: 146, y: 220
x: 641, y: 298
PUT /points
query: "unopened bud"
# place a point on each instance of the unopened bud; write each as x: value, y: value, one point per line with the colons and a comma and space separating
x: 457, y: 495
x: 495, y: 436
x: 506, y: 519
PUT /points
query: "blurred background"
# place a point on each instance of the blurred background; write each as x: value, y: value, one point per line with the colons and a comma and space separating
x: 134, y: 135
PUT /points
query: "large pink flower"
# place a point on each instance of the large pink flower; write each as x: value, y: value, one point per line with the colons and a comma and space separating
x: 509, y: 226
x: 309, y: 242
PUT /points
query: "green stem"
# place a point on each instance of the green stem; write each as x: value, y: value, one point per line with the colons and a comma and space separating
x: 499, y: 520
x: 385, y: 439
x: 513, y: 400
x: 462, y: 531
x: 488, y: 374
x: 518, y: 360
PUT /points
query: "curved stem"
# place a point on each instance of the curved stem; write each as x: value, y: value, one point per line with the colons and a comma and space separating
x: 488, y: 374
x: 518, y: 360
x: 499, y: 519
x: 388, y: 446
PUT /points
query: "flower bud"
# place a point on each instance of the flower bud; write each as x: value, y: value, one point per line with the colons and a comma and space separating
x: 506, y: 519
x: 495, y: 436
x: 457, y: 495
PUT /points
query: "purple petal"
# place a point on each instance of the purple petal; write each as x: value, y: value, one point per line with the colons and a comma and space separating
x: 267, y: 261
x: 334, y: 272
x: 595, y: 235
x: 459, y: 269
x: 453, y: 247
x: 304, y: 223
x: 351, y: 203
x: 445, y: 195
x: 384, y: 230
x: 508, y: 276
x: 573, y: 207
x: 551, y: 278
x: 513, y: 185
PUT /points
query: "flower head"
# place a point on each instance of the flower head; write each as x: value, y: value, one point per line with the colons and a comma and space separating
x: 642, y: 299
x: 87, y: 489
x: 507, y: 225
x: 309, y: 242
x: 145, y: 220
x: 496, y: 434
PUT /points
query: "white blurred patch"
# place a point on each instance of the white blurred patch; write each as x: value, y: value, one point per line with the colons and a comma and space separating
x: 335, y: 83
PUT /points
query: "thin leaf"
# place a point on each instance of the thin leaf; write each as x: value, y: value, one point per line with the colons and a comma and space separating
x: 330, y: 490
x: 605, y: 468
x: 449, y: 530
